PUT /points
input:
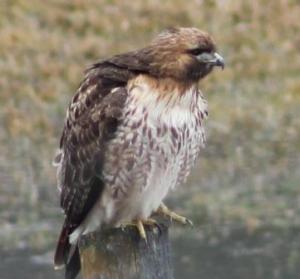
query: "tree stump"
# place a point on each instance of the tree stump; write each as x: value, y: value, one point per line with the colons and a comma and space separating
x: 121, y: 254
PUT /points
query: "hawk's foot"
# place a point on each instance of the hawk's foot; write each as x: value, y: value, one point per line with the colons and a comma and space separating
x: 139, y: 224
x: 164, y: 210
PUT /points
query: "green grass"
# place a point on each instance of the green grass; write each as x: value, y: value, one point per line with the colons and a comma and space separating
x: 248, y: 174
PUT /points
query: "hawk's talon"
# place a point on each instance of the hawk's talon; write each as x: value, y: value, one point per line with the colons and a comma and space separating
x: 189, y: 222
x: 163, y: 209
x: 140, y: 225
x: 153, y: 223
x: 141, y: 230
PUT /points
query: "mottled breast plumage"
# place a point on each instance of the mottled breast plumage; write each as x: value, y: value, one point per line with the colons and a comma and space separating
x: 154, y: 148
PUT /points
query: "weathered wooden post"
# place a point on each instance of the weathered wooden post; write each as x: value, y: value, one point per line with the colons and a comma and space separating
x: 122, y: 254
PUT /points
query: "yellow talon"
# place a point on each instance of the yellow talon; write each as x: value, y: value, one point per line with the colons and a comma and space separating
x: 163, y: 209
x: 141, y: 229
x: 139, y: 224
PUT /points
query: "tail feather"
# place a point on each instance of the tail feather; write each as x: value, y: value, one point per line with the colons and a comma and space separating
x: 62, y: 248
x: 73, y: 266
x: 67, y: 254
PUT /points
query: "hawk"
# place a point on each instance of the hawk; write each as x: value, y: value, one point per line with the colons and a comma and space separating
x: 132, y: 132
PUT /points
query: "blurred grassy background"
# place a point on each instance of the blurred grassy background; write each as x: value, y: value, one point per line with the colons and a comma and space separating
x: 248, y: 174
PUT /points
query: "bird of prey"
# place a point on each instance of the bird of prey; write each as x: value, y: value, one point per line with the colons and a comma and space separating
x: 132, y: 132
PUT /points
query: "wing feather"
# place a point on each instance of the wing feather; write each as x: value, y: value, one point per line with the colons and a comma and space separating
x: 92, y: 118
x: 86, y: 133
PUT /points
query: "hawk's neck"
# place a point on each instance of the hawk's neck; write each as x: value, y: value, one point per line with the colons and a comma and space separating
x: 166, y: 100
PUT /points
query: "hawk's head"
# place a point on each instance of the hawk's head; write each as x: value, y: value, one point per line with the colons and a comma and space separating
x: 185, y: 54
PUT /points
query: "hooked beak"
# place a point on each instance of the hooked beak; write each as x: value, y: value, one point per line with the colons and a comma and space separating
x: 214, y: 59
x: 219, y: 60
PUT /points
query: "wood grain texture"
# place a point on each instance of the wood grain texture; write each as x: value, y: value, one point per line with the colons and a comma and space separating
x: 122, y: 254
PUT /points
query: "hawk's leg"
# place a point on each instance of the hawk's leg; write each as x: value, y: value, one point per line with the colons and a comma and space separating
x: 164, y: 210
x: 139, y: 224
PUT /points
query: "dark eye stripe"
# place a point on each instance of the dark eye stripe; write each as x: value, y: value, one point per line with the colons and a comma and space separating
x: 198, y: 51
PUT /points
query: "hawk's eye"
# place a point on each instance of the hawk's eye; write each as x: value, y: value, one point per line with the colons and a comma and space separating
x: 197, y: 51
